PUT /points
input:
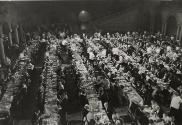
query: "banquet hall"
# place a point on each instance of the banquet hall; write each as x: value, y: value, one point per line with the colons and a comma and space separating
x: 91, y: 62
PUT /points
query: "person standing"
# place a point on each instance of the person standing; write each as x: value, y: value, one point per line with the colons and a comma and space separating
x: 175, y: 106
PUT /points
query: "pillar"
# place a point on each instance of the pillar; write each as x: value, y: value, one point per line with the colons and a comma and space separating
x: 180, y: 35
x: 10, y: 34
x: 22, y: 34
x: 164, y: 30
x: 16, y: 34
x: 164, y: 27
x: 177, y: 32
x: 2, y: 53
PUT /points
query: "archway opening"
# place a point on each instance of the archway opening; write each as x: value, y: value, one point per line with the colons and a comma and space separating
x: 171, y: 26
x: 145, y: 21
x: 158, y: 22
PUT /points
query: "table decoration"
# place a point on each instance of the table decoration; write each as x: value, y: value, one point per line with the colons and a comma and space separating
x: 50, y: 87
x: 87, y: 80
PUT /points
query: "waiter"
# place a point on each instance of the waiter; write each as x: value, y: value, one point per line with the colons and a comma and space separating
x: 175, y: 107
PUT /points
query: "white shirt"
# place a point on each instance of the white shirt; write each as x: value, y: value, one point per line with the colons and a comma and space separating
x: 91, y: 55
x: 21, y: 55
x: 64, y: 42
x: 149, y: 50
x: 43, y: 40
x: 175, y: 56
x: 175, y: 102
x: 115, y: 51
x: 89, y: 49
x: 47, y: 54
x: 151, y: 59
x: 157, y: 50
x: 121, y: 59
x: 90, y: 116
x: 168, y: 48
x: 103, y: 53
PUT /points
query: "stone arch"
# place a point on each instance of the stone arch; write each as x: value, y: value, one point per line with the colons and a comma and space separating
x: 171, y: 25
x: 158, y: 22
x: 145, y: 23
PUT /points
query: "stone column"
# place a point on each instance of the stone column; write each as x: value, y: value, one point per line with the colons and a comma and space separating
x: 164, y: 27
x: 10, y: 34
x: 164, y: 30
x: 180, y: 35
x: 177, y: 32
x: 16, y: 34
x: 2, y: 53
x: 22, y: 34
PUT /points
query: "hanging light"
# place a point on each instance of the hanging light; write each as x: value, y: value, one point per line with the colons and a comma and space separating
x: 84, y: 16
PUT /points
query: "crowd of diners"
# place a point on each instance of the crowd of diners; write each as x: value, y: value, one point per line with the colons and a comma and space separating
x: 152, y: 63
x: 23, y: 75
x: 21, y: 61
x: 18, y: 59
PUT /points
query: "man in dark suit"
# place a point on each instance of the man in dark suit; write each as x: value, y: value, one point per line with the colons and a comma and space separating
x: 109, y: 110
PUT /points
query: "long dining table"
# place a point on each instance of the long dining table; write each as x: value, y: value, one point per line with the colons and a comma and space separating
x: 100, y: 115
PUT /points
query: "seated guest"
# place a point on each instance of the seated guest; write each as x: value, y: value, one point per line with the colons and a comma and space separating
x: 98, y: 83
x: 166, y: 96
x: 155, y: 107
x: 102, y: 82
x: 85, y: 111
x: 156, y: 94
x: 103, y: 96
x: 167, y: 119
x: 179, y: 89
x: 83, y: 99
x: 117, y: 120
x: 115, y: 52
x: 89, y: 119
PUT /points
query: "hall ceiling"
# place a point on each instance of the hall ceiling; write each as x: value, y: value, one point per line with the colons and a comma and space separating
x: 90, y: 0
x: 68, y: 0
x: 64, y: 10
x: 59, y: 8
